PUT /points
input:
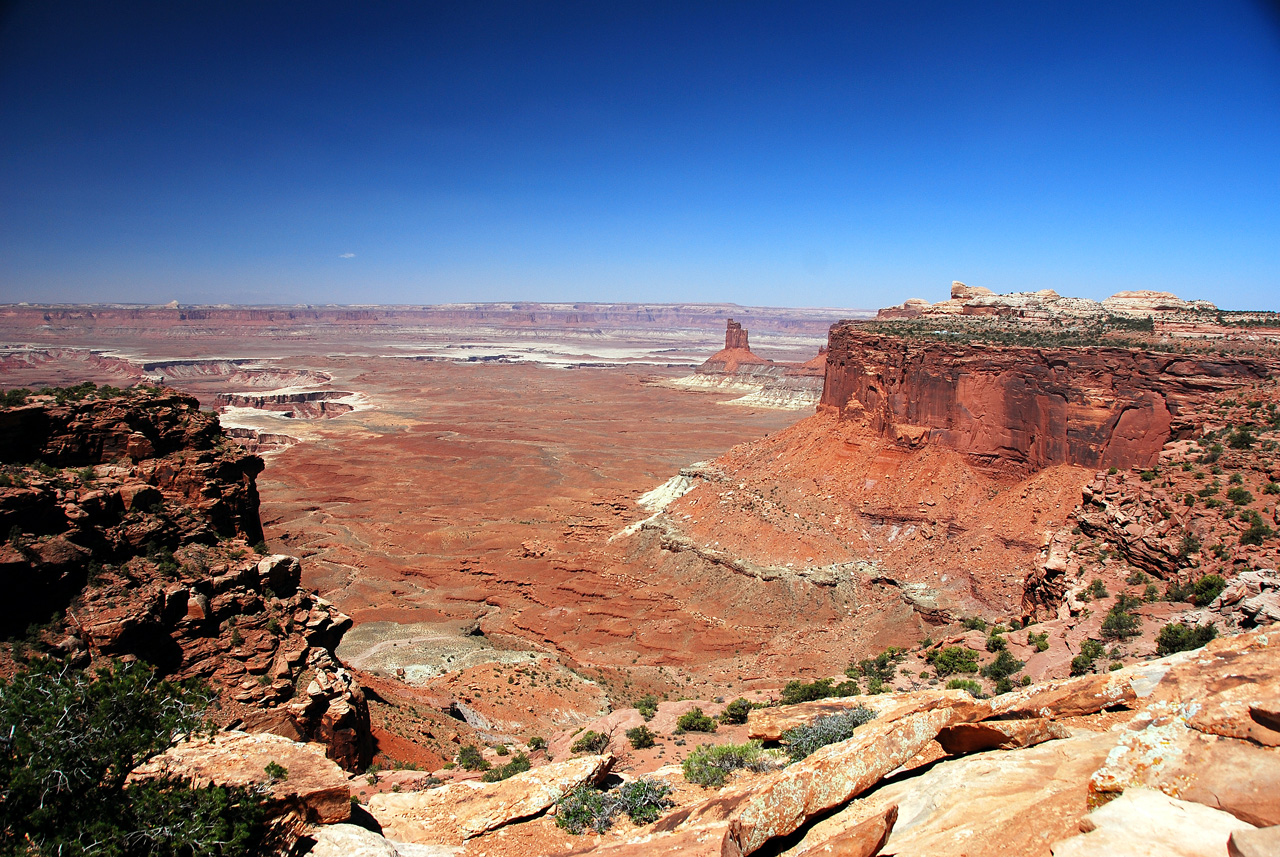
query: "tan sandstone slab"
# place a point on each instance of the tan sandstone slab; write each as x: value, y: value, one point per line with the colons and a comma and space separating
x: 315, y: 785
x: 1148, y: 823
x: 863, y: 839
x: 1014, y: 803
x: 454, y: 813
x: 768, y: 724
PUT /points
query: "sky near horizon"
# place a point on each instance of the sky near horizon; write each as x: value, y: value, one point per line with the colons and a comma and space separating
x: 837, y: 154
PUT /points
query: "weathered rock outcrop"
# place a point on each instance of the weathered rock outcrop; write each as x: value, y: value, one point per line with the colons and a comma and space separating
x: 133, y: 529
x: 312, y: 786
x: 1045, y: 305
x: 1026, y: 408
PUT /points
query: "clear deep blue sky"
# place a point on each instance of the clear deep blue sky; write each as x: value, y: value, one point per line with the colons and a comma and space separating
x: 803, y: 154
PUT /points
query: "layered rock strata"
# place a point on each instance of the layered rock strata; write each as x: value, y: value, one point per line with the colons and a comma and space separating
x: 1027, y: 408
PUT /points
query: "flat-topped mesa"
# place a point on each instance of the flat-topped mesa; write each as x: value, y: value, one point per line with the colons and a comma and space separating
x: 1025, y: 408
x: 1045, y: 305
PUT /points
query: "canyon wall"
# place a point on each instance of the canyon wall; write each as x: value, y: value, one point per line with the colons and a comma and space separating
x: 1026, y: 408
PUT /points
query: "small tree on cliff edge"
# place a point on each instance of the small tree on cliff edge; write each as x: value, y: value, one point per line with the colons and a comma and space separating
x: 67, y: 745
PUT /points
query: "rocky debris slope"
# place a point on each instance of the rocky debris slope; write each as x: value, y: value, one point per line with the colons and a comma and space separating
x: 764, y: 383
x: 130, y: 525
x: 1206, y: 507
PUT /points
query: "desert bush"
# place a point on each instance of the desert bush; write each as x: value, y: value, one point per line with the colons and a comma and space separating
x: 975, y: 623
x: 736, y: 711
x: 1097, y: 589
x: 470, y: 757
x: 694, y: 720
x: 803, y: 740
x: 647, y: 706
x: 711, y: 765
x: 590, y: 742
x: 642, y: 800
x: 1040, y: 641
x: 1180, y: 637
x: 68, y: 742
x: 518, y: 765
x: 996, y: 643
x: 1240, y: 496
x: 798, y: 691
x: 640, y: 737
x: 968, y: 684
x: 953, y: 659
x: 1257, y: 532
x: 1207, y: 588
x: 537, y: 742
x: 1090, y: 651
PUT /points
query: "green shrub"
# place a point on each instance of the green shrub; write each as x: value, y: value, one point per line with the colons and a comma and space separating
x: 1040, y: 641
x: 736, y: 711
x: 69, y: 743
x: 975, y: 689
x: 276, y: 772
x: 803, y: 740
x: 996, y: 643
x: 642, y: 800
x: 591, y: 742
x: 1241, y: 438
x: 1138, y: 577
x: 711, y: 765
x: 647, y: 706
x: 1004, y: 665
x: 1180, y: 637
x: 1240, y: 496
x: 1206, y: 589
x: 694, y: 720
x: 1090, y: 651
x: 1257, y: 531
x: 953, y: 659
x: 1120, y: 625
x: 537, y: 742
x: 975, y: 623
x: 518, y: 765
x: 470, y: 757
x: 1097, y: 589
x: 797, y: 691
x: 878, y: 670
x: 640, y: 737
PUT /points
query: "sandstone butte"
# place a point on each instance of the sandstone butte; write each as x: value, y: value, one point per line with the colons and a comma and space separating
x: 1138, y: 755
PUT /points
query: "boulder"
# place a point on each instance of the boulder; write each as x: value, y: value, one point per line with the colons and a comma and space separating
x: 864, y: 839
x: 1254, y: 843
x: 314, y: 787
x: 966, y: 738
x: 454, y: 813
x: 1148, y: 823
x: 349, y: 840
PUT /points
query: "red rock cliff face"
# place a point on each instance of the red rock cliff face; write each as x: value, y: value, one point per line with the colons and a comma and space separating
x: 1024, y: 407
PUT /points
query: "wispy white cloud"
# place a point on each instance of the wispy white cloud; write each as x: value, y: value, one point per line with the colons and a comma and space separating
x: 346, y: 255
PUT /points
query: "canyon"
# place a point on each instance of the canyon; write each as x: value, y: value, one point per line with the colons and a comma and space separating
x: 529, y: 539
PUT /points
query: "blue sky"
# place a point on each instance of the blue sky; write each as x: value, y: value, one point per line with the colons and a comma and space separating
x: 803, y: 154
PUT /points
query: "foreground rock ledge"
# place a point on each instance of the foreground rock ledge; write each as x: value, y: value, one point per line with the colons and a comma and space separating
x: 454, y: 813
x: 315, y: 787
